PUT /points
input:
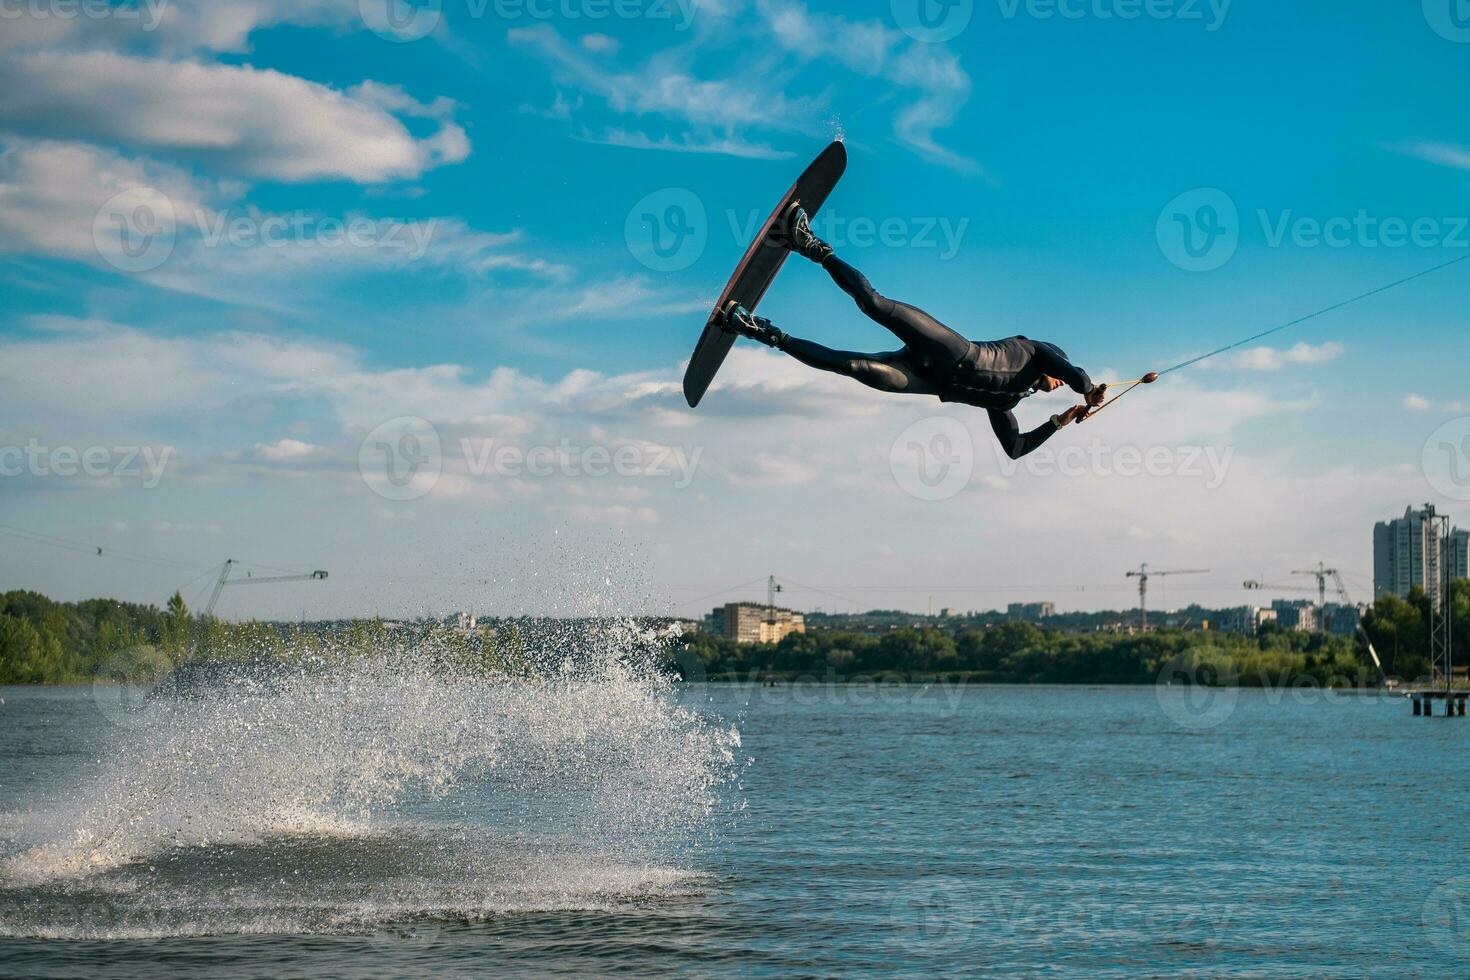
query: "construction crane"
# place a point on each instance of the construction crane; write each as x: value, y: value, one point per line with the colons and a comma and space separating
x: 1143, y: 574
x: 1322, y: 573
x: 224, y: 580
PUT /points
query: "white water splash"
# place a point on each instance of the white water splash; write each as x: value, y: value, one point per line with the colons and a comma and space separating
x: 593, y: 754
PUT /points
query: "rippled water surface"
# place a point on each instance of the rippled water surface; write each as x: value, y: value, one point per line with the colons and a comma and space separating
x: 386, y: 826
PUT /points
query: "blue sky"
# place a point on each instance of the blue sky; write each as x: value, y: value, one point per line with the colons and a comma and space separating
x: 1030, y: 164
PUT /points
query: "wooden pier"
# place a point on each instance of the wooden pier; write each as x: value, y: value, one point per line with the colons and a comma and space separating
x: 1454, y: 702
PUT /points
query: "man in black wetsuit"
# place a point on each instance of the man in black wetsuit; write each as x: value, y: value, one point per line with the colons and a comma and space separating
x: 934, y: 360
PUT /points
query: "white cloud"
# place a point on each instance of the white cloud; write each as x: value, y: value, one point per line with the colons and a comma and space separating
x: 1272, y: 359
x: 660, y: 90
x: 873, y: 48
x: 51, y: 193
x: 1417, y: 403
x: 772, y: 439
x: 600, y: 43
x: 687, y: 143
x: 238, y: 119
x: 712, y: 115
x: 1444, y: 154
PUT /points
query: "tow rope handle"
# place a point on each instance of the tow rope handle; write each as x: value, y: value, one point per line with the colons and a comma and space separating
x: 1147, y: 379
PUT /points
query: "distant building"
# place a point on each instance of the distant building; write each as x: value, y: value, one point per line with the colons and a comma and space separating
x: 466, y: 623
x: 1408, y: 552
x: 1296, y: 614
x: 1457, y: 553
x: 1342, y: 620
x: 1245, y: 620
x: 1031, y: 611
x: 751, y: 622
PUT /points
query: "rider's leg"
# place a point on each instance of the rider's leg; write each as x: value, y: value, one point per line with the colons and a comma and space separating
x: 867, y: 368
x: 934, y: 346
x: 886, y: 372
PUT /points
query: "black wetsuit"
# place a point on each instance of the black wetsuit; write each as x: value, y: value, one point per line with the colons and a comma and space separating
x: 994, y: 375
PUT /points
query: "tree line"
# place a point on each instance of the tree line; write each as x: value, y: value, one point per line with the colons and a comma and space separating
x: 47, y: 642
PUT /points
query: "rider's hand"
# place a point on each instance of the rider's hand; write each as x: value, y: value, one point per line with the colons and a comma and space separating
x: 1074, y: 414
x: 1097, y: 396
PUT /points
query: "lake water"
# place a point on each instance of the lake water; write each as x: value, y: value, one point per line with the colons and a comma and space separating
x: 842, y: 831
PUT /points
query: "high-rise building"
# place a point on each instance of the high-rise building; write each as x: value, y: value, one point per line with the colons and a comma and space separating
x: 1408, y: 553
x: 751, y: 622
x: 1457, y: 553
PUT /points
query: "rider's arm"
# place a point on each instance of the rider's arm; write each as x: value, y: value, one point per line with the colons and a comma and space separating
x: 1015, y: 442
x: 1063, y: 370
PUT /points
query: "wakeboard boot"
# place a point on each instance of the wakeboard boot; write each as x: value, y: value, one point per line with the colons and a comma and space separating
x: 739, y: 320
x: 798, y: 237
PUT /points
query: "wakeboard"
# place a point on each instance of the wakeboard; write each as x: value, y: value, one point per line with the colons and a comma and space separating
x: 758, y: 268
